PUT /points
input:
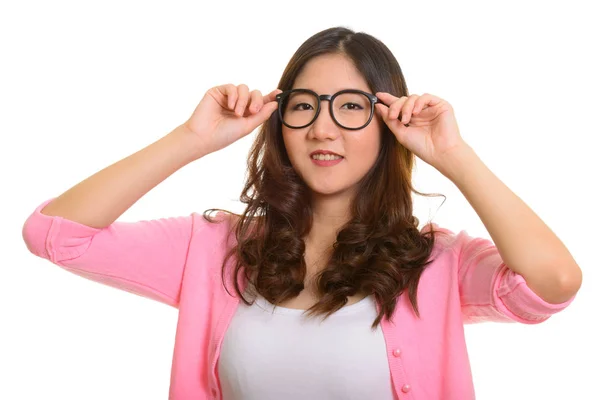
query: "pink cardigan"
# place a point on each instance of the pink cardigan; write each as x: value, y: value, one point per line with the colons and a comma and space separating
x: 177, y: 261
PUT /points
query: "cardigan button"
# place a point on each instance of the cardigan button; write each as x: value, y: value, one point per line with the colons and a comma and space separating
x: 406, y: 388
x: 397, y: 352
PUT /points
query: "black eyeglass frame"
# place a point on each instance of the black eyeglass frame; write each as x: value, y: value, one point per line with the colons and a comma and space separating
x: 281, y: 96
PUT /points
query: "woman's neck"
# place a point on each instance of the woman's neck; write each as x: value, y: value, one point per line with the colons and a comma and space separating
x: 330, y: 212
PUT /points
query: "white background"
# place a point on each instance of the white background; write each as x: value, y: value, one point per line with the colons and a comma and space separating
x: 85, y: 84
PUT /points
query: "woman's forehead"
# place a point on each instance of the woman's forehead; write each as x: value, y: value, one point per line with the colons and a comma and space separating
x: 328, y: 74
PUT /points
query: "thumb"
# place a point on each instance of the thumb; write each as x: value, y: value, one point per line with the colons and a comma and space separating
x: 383, y: 110
x: 265, y: 112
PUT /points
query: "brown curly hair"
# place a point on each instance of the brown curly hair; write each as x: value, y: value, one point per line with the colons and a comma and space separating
x: 379, y: 251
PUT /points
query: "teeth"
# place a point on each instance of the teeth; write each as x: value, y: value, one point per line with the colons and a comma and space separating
x: 325, y: 157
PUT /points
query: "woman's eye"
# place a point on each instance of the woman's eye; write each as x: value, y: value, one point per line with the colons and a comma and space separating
x: 302, y: 106
x: 352, y: 106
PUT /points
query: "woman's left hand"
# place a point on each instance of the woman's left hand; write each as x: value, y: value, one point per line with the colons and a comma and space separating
x: 427, y: 126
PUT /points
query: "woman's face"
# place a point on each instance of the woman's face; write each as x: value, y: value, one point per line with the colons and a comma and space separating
x: 328, y: 74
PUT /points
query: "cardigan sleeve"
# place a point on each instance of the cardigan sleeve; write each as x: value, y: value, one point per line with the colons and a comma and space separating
x: 146, y: 257
x: 490, y: 291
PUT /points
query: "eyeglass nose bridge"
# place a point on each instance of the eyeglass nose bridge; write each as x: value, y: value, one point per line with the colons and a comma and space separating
x: 327, y: 97
x: 329, y: 108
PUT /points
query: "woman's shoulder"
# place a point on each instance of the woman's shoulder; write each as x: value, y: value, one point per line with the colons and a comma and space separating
x: 221, y: 222
x: 444, y: 238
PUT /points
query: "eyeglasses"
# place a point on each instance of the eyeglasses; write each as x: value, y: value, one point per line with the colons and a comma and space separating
x: 350, y: 108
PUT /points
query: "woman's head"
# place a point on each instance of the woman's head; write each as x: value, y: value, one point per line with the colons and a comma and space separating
x: 379, y: 251
x: 328, y: 74
x: 333, y: 60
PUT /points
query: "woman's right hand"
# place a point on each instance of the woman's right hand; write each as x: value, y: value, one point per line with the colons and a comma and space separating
x: 227, y: 113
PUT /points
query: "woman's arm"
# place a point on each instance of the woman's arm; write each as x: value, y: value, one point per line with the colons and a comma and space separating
x: 101, y: 198
x: 526, y: 244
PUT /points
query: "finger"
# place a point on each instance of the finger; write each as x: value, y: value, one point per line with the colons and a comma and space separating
x: 419, y: 104
x: 265, y: 112
x: 407, y: 108
x: 271, y: 96
x: 242, y: 100
x: 382, y: 109
x: 228, y: 93
x: 231, y: 95
x: 424, y: 102
x: 387, y: 98
x: 255, y: 101
x: 394, y: 124
x: 396, y: 107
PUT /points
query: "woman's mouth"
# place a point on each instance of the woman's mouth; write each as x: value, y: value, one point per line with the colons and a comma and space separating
x: 326, y: 160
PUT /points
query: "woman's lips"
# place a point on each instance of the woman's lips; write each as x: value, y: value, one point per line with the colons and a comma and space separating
x: 327, y: 163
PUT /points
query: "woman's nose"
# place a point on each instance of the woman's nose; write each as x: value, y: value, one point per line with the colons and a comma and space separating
x: 324, y: 127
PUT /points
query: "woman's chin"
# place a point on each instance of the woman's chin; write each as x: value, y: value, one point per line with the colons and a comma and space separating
x: 324, y: 190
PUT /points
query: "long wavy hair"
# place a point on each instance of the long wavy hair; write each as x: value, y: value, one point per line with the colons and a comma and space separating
x: 379, y: 251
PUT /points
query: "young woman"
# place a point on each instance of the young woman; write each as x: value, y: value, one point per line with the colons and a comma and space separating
x: 324, y: 287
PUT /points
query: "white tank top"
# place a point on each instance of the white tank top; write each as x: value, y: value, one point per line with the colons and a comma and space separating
x: 277, y: 353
